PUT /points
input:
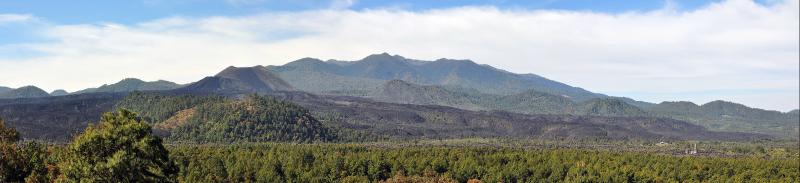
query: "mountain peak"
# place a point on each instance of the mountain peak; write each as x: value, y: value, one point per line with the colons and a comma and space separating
x: 131, y: 84
x: 134, y: 80
x: 4, y: 89
x: 59, y: 92
x: 610, y: 107
x: 383, y: 57
x: 722, y: 103
x: 25, y: 92
x: 256, y: 79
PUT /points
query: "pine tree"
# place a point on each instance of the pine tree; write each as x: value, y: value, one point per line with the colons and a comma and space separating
x: 121, y: 148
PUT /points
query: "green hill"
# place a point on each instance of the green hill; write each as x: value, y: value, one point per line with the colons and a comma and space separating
x: 218, y: 119
x: 132, y: 84
x: 59, y: 93
x: 717, y: 115
x: 24, y: 92
x: 239, y: 80
x: 729, y: 116
x: 4, y: 89
x: 609, y: 107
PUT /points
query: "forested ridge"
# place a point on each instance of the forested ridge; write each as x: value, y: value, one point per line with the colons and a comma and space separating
x: 122, y: 148
x: 252, y: 118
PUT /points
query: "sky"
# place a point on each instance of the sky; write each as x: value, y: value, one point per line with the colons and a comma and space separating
x: 663, y: 50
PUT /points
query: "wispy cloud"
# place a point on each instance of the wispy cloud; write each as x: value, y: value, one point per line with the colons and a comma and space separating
x: 731, y: 45
x: 14, y: 18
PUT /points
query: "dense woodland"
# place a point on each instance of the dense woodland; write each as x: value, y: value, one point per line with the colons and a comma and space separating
x: 122, y: 148
x: 205, y: 119
x: 161, y: 137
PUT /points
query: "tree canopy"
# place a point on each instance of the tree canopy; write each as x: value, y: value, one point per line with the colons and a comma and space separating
x: 121, y: 148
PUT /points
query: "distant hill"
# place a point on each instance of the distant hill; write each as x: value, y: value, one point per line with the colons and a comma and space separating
x: 356, y: 78
x: 239, y: 80
x: 729, y: 116
x: 609, y: 107
x: 217, y: 119
x: 24, y: 92
x: 717, y: 115
x: 398, y: 91
x: 4, y: 89
x: 527, y: 102
x: 247, y: 119
x: 132, y: 84
x: 59, y: 93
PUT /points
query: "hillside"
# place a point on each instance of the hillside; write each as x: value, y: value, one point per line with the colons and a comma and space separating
x: 217, y: 119
x: 24, y: 92
x: 528, y: 102
x: 431, y: 121
x: 239, y: 80
x: 55, y: 118
x: 366, y: 75
x: 398, y: 91
x: 718, y: 115
x: 132, y: 84
x: 729, y: 116
x: 609, y: 107
x: 4, y: 89
x: 221, y: 119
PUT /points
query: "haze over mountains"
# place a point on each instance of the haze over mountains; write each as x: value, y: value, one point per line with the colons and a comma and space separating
x: 384, y: 93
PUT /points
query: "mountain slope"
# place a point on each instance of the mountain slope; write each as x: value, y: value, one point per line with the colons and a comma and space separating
x: 369, y: 73
x: 217, y: 119
x: 132, y: 84
x: 533, y: 102
x: 528, y: 102
x: 729, y: 116
x: 24, y: 92
x: 4, y: 89
x: 398, y: 91
x: 258, y: 77
x: 432, y: 121
x: 239, y: 80
x: 718, y: 115
x: 609, y: 107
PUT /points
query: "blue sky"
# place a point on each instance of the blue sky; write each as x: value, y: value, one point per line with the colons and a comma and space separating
x: 737, y: 50
x: 82, y: 11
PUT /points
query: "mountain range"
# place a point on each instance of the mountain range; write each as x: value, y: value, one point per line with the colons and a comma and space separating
x: 24, y: 92
x: 369, y: 73
x: 239, y: 80
x: 382, y: 89
x: 131, y: 84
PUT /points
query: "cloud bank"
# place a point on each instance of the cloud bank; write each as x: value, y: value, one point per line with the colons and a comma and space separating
x: 699, y: 55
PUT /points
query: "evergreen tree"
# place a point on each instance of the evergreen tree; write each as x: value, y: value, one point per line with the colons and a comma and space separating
x: 11, y: 163
x: 121, y: 148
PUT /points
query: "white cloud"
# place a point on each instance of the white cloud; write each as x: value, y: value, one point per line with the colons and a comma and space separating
x: 731, y: 45
x: 14, y: 18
